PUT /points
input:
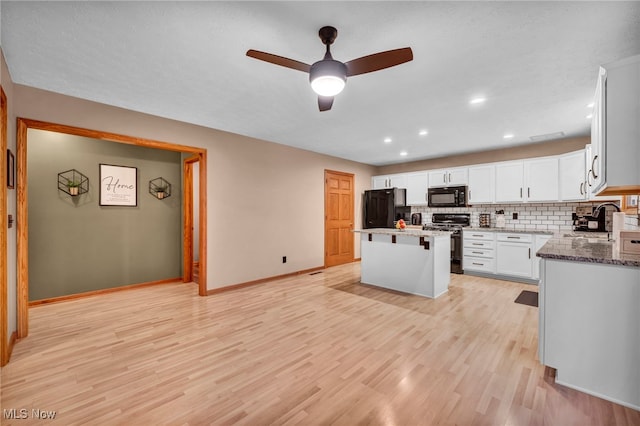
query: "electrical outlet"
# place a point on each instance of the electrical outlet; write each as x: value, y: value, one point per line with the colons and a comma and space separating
x: 284, y: 259
x: 515, y: 216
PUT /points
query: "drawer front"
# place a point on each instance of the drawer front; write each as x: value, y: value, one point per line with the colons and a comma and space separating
x: 478, y: 235
x: 478, y: 264
x: 515, y: 237
x: 478, y: 252
x: 630, y: 245
x: 479, y: 244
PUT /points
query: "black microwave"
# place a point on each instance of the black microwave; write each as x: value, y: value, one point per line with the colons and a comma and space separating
x: 450, y: 196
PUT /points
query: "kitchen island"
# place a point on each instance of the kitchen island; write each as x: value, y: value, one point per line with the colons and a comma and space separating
x: 589, y: 324
x: 411, y: 261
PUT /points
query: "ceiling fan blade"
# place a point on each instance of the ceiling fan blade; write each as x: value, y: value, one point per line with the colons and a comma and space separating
x: 325, y: 102
x: 378, y: 61
x: 279, y: 60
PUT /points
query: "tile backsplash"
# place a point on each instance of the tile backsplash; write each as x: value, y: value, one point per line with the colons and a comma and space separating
x: 542, y: 216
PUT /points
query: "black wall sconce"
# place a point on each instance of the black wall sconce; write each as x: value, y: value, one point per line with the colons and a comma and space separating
x: 73, y: 182
x: 160, y: 188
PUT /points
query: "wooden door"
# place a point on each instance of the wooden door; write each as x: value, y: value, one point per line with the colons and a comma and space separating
x: 338, y: 218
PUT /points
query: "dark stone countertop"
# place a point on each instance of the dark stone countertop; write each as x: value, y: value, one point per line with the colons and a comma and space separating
x: 406, y: 232
x: 591, y: 250
x: 510, y: 230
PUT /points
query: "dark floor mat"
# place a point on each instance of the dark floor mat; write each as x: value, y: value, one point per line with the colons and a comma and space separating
x: 528, y: 298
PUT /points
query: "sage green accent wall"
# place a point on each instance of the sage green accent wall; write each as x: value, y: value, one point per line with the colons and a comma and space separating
x: 76, y: 245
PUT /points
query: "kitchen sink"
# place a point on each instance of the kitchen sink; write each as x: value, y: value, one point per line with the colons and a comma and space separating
x: 585, y: 235
x: 600, y: 237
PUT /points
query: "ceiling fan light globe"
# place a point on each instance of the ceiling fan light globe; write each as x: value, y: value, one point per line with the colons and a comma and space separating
x: 327, y: 85
x: 328, y: 77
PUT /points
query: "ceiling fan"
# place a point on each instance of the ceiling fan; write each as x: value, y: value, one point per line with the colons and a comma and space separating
x: 328, y: 76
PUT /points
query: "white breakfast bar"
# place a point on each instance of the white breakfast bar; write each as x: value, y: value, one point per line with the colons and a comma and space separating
x: 412, y: 261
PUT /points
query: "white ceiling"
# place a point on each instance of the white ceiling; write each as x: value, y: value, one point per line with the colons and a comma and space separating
x: 536, y: 62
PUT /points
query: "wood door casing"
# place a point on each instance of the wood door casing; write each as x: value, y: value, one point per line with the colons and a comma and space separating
x: 338, y: 218
x: 23, y: 124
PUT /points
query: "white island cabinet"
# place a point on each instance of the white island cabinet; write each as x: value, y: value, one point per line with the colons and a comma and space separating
x: 411, y: 261
x: 589, y: 323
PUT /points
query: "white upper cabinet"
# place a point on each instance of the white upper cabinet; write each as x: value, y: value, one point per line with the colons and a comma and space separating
x: 449, y: 177
x: 389, y: 181
x: 398, y: 181
x: 509, y: 182
x: 528, y: 180
x: 482, y: 184
x: 438, y: 177
x: 379, y: 182
x: 595, y: 176
x: 615, y: 129
x: 589, y: 180
x: 541, y: 179
x: 572, y: 176
x: 417, y: 184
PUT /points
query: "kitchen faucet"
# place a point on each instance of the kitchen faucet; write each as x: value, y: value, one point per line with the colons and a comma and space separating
x: 596, y: 213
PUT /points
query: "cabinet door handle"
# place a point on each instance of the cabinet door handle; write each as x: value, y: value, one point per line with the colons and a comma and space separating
x: 529, y: 252
x: 520, y: 192
x: 469, y: 194
x: 477, y: 244
x: 449, y: 177
x: 581, y: 186
x: 593, y: 166
x: 513, y: 238
x: 479, y: 264
x: 476, y: 252
x: 476, y: 235
x: 589, y: 178
x: 528, y: 192
x: 444, y: 178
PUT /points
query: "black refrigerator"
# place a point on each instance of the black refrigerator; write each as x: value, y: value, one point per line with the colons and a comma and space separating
x: 381, y: 207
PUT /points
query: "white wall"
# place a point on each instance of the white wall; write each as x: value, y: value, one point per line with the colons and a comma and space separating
x: 10, y: 251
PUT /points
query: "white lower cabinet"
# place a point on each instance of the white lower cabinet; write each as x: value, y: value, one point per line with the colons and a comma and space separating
x: 539, y: 241
x: 508, y: 254
x: 514, y: 258
x: 478, y: 251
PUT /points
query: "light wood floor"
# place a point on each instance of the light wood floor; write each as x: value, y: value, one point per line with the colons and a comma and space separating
x: 313, y: 349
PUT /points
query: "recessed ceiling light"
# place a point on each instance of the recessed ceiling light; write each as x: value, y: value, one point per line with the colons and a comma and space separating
x: 508, y: 135
x: 423, y: 132
x: 590, y: 105
x: 478, y: 100
x: 548, y: 136
x: 589, y: 117
x: 387, y: 140
x: 403, y: 153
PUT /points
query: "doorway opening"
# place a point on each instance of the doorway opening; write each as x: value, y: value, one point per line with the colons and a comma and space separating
x: 22, y: 208
x: 191, y: 221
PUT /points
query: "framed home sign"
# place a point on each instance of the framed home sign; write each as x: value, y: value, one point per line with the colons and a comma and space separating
x: 118, y: 185
x: 11, y: 170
